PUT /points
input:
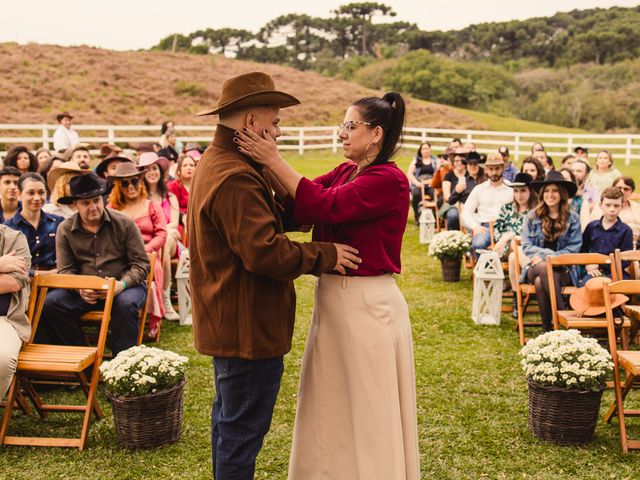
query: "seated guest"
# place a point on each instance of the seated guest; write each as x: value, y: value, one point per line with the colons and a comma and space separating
x: 630, y: 213
x: 607, y: 234
x: 107, y: 167
x: 475, y: 176
x: 567, y: 161
x: 52, y: 162
x: 181, y: 186
x: 129, y: 196
x: 444, y: 167
x: 39, y: 227
x: 484, y: 203
x: 551, y: 229
x: 576, y: 200
x: 421, y: 168
x: 533, y: 167
x: 9, y: 202
x: 81, y: 155
x: 588, y: 193
x: 103, y: 242
x: 170, y: 146
x: 21, y: 158
x: 510, y: 171
x: 58, y: 183
x: 42, y: 157
x: 510, y: 222
x: 456, y: 178
x: 155, y: 173
x: 15, y: 328
x: 603, y: 174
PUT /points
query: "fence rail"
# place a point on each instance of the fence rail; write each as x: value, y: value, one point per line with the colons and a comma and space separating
x: 301, y: 139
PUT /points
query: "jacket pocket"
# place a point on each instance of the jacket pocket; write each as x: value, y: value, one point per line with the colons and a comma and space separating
x: 378, y: 305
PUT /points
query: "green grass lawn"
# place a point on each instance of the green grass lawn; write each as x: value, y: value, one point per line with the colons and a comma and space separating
x: 472, y: 400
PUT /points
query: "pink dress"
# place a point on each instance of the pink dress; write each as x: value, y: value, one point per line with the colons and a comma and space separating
x: 153, y: 227
x: 182, y: 194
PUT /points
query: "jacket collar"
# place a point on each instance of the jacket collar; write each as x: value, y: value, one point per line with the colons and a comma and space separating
x: 223, y: 138
x: 77, y: 223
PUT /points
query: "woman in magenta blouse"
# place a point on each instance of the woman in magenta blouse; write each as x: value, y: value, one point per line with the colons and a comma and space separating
x: 356, y: 414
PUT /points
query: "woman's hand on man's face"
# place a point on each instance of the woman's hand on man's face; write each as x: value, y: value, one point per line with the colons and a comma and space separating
x: 261, y: 148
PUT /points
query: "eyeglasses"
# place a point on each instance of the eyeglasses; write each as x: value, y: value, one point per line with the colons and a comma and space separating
x: 350, y: 125
x: 134, y: 182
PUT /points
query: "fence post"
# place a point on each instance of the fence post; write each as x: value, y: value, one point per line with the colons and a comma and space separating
x: 45, y: 138
x: 301, y: 141
x: 334, y: 140
x: 516, y: 148
x: 111, y: 134
x: 627, y: 160
x: 569, y: 143
x: 423, y: 136
x: 469, y: 137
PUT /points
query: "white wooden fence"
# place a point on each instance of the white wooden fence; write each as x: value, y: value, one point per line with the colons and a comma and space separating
x: 302, y: 139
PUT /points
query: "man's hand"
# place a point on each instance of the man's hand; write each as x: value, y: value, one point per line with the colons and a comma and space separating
x: 479, y: 230
x: 90, y: 296
x: 11, y: 262
x: 593, y: 270
x: 347, y: 258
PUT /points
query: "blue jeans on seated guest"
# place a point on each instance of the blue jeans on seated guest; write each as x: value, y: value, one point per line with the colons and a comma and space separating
x: 481, y: 241
x: 452, y: 218
x: 62, y: 309
x: 246, y: 392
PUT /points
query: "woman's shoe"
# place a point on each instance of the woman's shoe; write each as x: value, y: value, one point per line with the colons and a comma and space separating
x: 169, y: 313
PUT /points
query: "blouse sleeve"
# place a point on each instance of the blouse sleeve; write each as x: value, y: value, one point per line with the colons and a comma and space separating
x: 501, y: 226
x: 367, y: 197
x: 159, y: 224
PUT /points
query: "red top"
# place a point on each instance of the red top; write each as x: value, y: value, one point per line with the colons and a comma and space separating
x: 369, y: 213
x: 175, y: 187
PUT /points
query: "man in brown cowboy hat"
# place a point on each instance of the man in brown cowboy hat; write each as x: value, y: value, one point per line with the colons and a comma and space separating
x: 65, y: 137
x: 485, y: 201
x: 242, y: 267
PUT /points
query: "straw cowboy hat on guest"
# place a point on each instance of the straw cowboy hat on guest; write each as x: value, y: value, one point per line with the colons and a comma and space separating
x: 589, y: 300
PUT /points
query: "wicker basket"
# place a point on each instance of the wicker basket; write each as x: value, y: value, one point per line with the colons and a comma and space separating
x: 148, y: 421
x: 451, y: 268
x: 562, y: 415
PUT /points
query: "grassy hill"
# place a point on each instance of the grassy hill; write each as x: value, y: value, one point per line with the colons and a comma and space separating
x: 103, y: 86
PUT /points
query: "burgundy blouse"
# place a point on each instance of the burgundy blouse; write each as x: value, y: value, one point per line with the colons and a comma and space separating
x: 369, y: 213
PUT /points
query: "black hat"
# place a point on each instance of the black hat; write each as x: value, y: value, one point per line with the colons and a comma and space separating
x: 522, y: 180
x: 556, y: 177
x: 473, y: 157
x: 581, y: 149
x: 504, y: 150
x: 83, y: 186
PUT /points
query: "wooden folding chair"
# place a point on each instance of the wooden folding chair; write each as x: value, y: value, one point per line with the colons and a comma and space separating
x: 525, y: 293
x: 90, y: 318
x: 58, y: 361
x: 632, y: 307
x: 432, y: 203
x: 570, y: 318
x: 629, y: 360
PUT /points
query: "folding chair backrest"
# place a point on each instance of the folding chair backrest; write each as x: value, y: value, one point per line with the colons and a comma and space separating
x: 516, y: 245
x: 42, y: 284
x: 572, y: 259
x: 143, y: 311
x: 632, y: 256
x: 624, y: 287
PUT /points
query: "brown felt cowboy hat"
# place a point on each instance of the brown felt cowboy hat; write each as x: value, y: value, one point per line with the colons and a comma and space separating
x: 494, y: 159
x: 62, y: 115
x: 102, y: 166
x: 250, y: 89
x: 68, y: 167
x: 589, y: 300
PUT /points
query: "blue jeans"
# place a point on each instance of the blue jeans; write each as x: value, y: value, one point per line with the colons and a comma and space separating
x: 59, y: 325
x: 481, y: 241
x: 246, y: 392
x: 452, y: 218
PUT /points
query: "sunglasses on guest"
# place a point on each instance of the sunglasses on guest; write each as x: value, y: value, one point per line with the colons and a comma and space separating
x: 134, y: 182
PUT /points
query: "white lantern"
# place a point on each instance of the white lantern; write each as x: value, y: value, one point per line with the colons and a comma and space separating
x: 488, y: 278
x: 427, y: 225
x: 184, y: 288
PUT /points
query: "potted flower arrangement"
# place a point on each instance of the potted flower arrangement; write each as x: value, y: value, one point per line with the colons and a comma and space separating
x: 145, y: 386
x: 449, y: 247
x: 566, y: 374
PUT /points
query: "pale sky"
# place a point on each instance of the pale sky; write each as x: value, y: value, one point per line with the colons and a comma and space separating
x: 133, y: 24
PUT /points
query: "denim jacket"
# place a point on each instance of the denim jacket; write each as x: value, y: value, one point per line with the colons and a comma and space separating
x: 533, y: 240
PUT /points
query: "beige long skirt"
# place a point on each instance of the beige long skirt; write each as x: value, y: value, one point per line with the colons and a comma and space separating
x: 356, y: 415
